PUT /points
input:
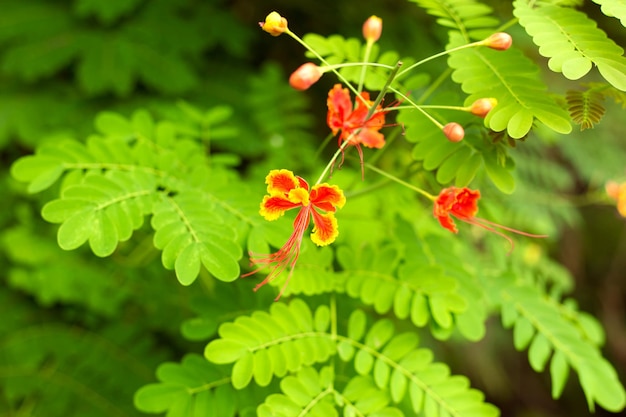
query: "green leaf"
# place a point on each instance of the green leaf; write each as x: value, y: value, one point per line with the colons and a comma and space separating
x: 539, y: 352
x: 613, y: 8
x: 573, y: 42
x: 510, y: 78
x: 559, y: 371
x: 523, y: 333
x: 243, y: 371
x: 194, y: 384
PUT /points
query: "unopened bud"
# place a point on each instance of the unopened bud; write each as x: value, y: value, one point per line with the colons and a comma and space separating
x: 274, y: 24
x: 482, y: 106
x: 454, y: 132
x: 500, y: 41
x: 305, y: 76
x: 372, y: 28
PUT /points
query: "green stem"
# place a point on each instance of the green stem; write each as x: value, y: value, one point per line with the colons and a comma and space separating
x: 401, y: 182
x: 366, y: 58
x: 440, y: 54
x: 322, y: 60
x: 419, y: 108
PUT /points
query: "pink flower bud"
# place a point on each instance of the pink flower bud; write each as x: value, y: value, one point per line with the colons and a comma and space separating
x: 482, y: 106
x: 372, y: 28
x: 274, y: 24
x: 305, y: 76
x: 500, y: 41
x: 454, y: 132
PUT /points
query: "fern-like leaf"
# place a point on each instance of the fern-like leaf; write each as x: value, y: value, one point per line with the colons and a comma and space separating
x: 513, y: 80
x: 307, y: 393
x: 471, y: 18
x: 194, y: 387
x: 573, y: 42
x: 398, y: 365
x: 585, y: 107
x: 137, y: 168
x: 613, y: 8
x: 551, y: 336
x: 266, y: 344
x: 423, y: 293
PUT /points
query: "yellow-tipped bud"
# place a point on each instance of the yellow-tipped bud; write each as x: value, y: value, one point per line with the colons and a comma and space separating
x: 500, y: 41
x: 372, y: 28
x: 274, y: 24
x: 482, y: 106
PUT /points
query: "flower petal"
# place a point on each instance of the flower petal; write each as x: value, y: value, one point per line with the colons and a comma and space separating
x: 370, y: 138
x: 272, y: 207
x: 325, y: 229
x: 339, y: 107
x: 299, y: 196
x: 466, y: 203
x: 281, y: 181
x: 327, y: 197
x: 447, y: 223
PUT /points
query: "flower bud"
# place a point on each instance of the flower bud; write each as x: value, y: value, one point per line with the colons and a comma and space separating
x: 482, y: 106
x: 500, y: 41
x: 274, y: 24
x: 305, y: 76
x: 372, y: 28
x: 454, y: 132
x: 612, y: 189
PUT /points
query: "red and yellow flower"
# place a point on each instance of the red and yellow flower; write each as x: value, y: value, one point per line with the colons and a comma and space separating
x: 462, y: 204
x: 287, y: 191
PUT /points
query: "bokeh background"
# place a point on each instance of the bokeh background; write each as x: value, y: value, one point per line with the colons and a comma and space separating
x: 63, y: 61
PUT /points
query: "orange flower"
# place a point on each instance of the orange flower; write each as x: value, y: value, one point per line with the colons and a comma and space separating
x: 285, y: 192
x: 462, y: 203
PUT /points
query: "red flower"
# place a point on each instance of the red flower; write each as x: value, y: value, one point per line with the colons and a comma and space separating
x: 354, y: 128
x: 462, y: 203
x: 285, y: 192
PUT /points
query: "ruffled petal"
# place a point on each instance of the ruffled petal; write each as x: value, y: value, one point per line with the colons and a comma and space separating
x: 272, y: 207
x: 327, y: 197
x: 281, y: 181
x: 339, y: 107
x: 447, y: 223
x: 466, y: 203
x: 370, y: 138
x: 325, y: 229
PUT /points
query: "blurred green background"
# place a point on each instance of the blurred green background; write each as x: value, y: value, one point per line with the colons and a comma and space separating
x: 63, y: 61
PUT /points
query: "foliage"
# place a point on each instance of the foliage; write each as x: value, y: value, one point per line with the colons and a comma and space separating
x: 172, y: 167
